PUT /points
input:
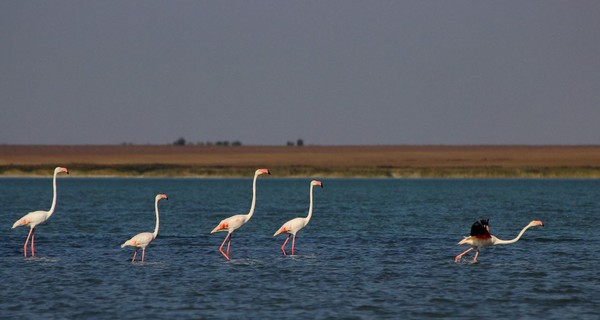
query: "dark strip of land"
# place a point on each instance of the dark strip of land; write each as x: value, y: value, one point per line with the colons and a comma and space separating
x: 318, y: 161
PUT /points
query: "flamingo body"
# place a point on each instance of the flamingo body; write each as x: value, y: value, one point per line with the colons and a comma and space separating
x: 485, y: 239
x: 35, y: 218
x: 235, y: 222
x: 32, y: 219
x: 231, y: 224
x: 293, y: 226
x: 142, y: 240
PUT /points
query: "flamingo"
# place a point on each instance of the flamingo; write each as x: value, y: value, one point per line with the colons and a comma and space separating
x: 34, y: 218
x: 142, y: 240
x: 293, y: 226
x: 234, y: 222
x: 481, y: 237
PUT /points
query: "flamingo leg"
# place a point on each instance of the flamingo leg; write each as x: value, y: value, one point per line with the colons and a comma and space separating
x: 27, y: 242
x: 134, y: 255
x: 33, y: 243
x: 229, y: 244
x: 284, y: 243
x: 143, y: 253
x: 476, y: 255
x: 293, y: 243
x: 462, y: 254
x: 226, y: 255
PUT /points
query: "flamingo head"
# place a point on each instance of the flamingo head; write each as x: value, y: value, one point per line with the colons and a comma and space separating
x: 161, y: 196
x: 58, y: 170
x: 316, y: 183
x: 262, y: 171
x: 536, y: 223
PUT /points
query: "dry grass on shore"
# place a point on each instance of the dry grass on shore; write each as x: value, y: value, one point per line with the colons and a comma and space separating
x: 324, y: 161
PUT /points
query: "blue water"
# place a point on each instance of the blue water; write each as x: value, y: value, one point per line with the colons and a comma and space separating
x: 375, y: 249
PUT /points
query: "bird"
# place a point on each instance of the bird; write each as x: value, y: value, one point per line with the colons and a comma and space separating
x: 142, y: 240
x: 34, y: 218
x: 481, y: 237
x: 293, y: 226
x: 234, y: 222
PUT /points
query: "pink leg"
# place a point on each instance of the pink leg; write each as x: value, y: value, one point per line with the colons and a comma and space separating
x: 27, y: 242
x: 228, y: 245
x: 226, y: 255
x: 476, y: 255
x: 284, y: 243
x: 293, y: 243
x: 143, y: 253
x: 134, y: 255
x: 462, y: 254
x: 33, y: 243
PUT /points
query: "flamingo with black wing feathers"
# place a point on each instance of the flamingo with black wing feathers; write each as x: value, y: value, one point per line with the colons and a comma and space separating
x: 481, y: 237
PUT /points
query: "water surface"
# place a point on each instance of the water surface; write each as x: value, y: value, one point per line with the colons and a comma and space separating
x: 374, y: 249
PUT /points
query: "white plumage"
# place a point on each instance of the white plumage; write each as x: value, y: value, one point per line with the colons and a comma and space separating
x: 142, y: 240
x: 293, y: 226
x: 35, y: 218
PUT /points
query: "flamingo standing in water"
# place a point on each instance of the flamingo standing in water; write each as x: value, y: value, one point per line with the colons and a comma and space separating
x: 481, y: 237
x: 34, y: 218
x: 293, y: 226
x: 234, y: 222
x: 142, y: 240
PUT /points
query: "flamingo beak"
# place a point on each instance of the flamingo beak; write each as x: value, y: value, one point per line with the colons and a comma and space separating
x: 538, y: 223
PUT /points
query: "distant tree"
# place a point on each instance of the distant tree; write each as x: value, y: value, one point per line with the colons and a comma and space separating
x: 236, y: 143
x: 290, y: 144
x: 222, y: 143
x: 299, y: 143
x: 179, y: 142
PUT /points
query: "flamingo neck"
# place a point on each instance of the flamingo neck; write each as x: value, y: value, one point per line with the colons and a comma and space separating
x: 249, y: 215
x: 500, y: 241
x: 310, y: 207
x: 157, y: 219
x: 51, y: 211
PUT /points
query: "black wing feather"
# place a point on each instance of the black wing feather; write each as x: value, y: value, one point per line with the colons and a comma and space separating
x: 479, y: 227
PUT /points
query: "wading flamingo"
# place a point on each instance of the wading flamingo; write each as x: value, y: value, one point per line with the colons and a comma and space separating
x: 293, y: 226
x: 142, y: 240
x: 481, y: 237
x: 234, y: 222
x: 35, y: 218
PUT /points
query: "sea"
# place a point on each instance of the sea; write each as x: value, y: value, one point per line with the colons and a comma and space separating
x: 374, y: 249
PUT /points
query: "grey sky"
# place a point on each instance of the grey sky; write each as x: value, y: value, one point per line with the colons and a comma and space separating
x: 328, y: 72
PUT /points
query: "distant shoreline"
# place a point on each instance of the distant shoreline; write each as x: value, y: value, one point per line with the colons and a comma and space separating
x: 306, y: 161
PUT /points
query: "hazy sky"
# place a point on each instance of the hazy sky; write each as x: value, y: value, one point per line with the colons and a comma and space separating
x: 327, y: 72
